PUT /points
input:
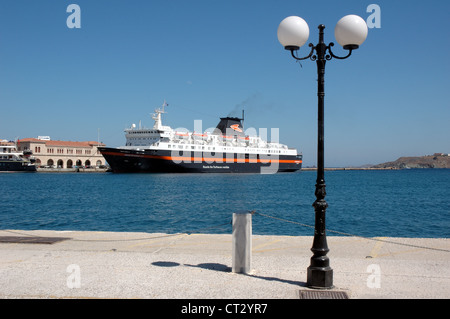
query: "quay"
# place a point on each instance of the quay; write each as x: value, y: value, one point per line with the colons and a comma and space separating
x: 71, y: 170
x: 43, y: 264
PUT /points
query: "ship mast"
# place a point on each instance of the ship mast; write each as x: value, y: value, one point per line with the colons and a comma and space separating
x: 157, y: 117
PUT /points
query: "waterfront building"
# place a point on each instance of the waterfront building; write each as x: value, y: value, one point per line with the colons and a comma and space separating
x: 62, y: 154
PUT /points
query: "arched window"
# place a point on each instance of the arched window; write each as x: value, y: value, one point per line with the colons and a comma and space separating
x: 69, y: 164
x: 60, y: 163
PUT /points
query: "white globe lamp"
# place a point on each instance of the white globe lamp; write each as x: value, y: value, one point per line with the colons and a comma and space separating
x: 293, y: 32
x: 351, y: 31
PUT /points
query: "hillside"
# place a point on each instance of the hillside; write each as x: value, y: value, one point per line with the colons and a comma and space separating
x: 428, y: 161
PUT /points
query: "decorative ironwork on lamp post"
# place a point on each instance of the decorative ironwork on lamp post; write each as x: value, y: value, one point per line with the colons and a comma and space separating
x: 293, y: 32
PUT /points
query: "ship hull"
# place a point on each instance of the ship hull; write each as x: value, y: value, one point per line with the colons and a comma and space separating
x: 16, y: 166
x: 166, y: 161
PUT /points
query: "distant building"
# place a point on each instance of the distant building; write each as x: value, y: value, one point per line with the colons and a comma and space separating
x: 62, y: 154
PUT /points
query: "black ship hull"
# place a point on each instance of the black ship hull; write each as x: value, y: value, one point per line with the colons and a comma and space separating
x: 16, y: 166
x: 166, y: 161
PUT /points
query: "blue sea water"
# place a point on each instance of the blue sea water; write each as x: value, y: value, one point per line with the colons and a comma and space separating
x: 394, y: 203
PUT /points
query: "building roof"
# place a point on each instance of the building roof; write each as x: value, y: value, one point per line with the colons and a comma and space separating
x: 61, y: 143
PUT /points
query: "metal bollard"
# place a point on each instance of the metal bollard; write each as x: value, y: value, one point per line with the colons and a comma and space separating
x: 242, y: 241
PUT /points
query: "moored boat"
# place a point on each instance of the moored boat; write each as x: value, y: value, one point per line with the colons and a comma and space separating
x: 227, y: 149
x: 11, y: 160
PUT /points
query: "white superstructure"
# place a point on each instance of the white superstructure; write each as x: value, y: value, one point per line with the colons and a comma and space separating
x: 231, y: 140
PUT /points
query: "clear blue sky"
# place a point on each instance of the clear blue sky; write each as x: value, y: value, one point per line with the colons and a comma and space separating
x: 208, y: 58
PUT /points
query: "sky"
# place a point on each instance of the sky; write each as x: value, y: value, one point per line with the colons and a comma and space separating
x: 213, y: 58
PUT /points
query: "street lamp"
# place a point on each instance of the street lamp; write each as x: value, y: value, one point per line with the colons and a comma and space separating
x: 293, y: 32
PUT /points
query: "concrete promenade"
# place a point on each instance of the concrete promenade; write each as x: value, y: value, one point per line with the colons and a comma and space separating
x: 198, y: 266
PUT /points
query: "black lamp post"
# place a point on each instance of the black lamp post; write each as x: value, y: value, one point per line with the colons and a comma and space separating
x: 293, y: 32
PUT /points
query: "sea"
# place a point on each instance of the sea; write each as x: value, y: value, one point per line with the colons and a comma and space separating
x: 367, y: 203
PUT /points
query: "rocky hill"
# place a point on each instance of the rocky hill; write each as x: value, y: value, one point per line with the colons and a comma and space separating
x: 428, y: 161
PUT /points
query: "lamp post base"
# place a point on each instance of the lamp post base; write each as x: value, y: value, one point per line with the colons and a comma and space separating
x: 319, y: 277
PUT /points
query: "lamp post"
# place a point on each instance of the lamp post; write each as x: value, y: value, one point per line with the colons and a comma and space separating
x: 293, y: 32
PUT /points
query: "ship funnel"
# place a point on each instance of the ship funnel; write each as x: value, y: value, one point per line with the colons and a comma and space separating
x: 231, y: 126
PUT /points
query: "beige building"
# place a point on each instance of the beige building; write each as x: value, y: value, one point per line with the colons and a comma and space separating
x: 63, y: 154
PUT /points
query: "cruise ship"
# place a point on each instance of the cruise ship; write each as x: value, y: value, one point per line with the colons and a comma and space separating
x: 226, y: 149
x: 11, y: 160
